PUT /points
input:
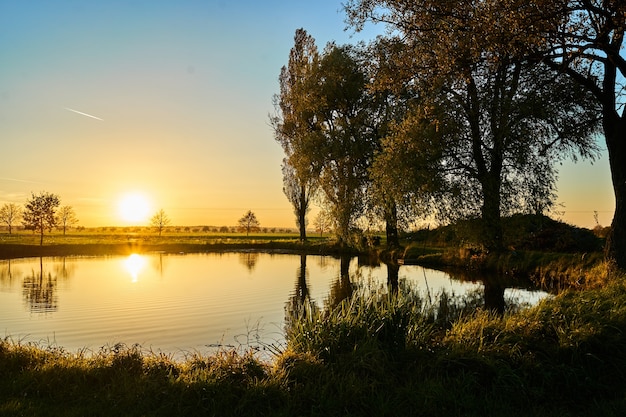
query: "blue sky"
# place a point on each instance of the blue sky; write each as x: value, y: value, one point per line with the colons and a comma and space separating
x: 182, y: 91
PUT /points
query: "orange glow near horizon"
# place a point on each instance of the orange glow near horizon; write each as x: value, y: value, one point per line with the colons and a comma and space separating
x: 134, y: 208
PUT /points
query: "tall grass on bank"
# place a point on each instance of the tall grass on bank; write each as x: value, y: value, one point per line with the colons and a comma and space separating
x: 372, y: 354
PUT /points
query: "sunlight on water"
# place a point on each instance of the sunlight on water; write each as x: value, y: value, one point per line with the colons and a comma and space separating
x: 134, y: 264
x: 183, y: 303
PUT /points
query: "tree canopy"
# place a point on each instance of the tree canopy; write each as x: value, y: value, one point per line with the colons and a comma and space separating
x: 294, y: 129
x: 10, y: 214
x: 40, y: 213
x: 66, y: 217
x: 487, y: 123
x: 249, y: 222
x: 584, y: 39
x: 160, y: 221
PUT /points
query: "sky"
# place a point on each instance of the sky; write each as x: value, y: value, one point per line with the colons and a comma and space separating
x: 170, y: 100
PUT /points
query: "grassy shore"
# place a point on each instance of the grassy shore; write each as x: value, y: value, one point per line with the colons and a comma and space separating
x: 374, y: 354
x: 98, y: 243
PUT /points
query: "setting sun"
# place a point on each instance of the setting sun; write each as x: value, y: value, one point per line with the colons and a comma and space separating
x: 134, y: 208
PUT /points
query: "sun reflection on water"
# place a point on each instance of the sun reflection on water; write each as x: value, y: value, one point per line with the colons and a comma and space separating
x: 134, y: 264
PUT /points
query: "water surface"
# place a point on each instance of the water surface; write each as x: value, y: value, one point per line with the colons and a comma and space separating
x: 183, y: 303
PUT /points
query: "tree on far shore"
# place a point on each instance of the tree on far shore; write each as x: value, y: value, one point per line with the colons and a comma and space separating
x: 160, y: 221
x: 66, y: 218
x: 40, y: 213
x: 10, y: 214
x: 249, y: 222
x: 322, y: 222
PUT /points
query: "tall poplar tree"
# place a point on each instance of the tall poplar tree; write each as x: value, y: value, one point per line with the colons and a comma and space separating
x: 295, y: 126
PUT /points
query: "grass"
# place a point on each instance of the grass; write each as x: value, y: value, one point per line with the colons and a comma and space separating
x: 94, y: 242
x: 373, y: 354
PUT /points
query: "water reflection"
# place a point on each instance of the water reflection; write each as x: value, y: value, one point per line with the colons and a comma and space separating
x: 157, y: 264
x: 300, y: 304
x: 185, y: 302
x: 495, y: 288
x: 341, y: 289
x: 6, y: 275
x: 134, y: 264
x: 393, y: 272
x: 39, y: 290
x: 249, y: 259
x: 63, y: 269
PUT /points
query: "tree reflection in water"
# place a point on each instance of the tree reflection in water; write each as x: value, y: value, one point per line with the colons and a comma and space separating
x: 444, y: 306
x: 341, y: 289
x: 6, y: 275
x: 64, y: 270
x: 39, y: 290
x: 393, y: 270
x: 300, y: 304
x: 249, y: 259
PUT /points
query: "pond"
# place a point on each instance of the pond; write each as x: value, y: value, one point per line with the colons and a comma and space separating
x: 177, y: 304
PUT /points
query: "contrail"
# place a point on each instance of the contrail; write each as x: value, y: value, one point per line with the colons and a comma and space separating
x: 84, y: 114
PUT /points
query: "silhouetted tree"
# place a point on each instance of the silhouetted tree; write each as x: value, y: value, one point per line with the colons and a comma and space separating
x: 249, y: 222
x: 160, y: 221
x: 40, y: 213
x: 299, y: 193
x: 294, y: 126
x: 10, y: 213
x: 66, y: 218
x: 486, y: 119
x: 585, y: 41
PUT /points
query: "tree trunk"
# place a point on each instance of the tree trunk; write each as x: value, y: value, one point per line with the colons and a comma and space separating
x: 393, y: 270
x: 391, y: 226
x: 302, y: 209
x: 491, y: 223
x: 614, y: 130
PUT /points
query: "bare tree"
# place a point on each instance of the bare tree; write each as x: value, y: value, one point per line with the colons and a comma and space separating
x: 160, y: 221
x: 66, y: 218
x: 10, y: 213
x: 322, y: 222
x: 249, y: 222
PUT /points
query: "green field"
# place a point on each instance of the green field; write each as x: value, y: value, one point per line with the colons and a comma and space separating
x: 108, y: 241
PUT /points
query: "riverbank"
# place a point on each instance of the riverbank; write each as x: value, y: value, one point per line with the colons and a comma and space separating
x: 369, y: 356
x: 99, y: 244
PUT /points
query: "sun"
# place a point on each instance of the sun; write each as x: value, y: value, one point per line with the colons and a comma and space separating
x: 134, y: 208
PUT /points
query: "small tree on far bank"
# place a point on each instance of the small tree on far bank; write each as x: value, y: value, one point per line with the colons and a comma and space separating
x: 10, y: 214
x: 40, y: 213
x: 66, y: 218
x: 322, y: 222
x: 249, y: 222
x: 160, y: 221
